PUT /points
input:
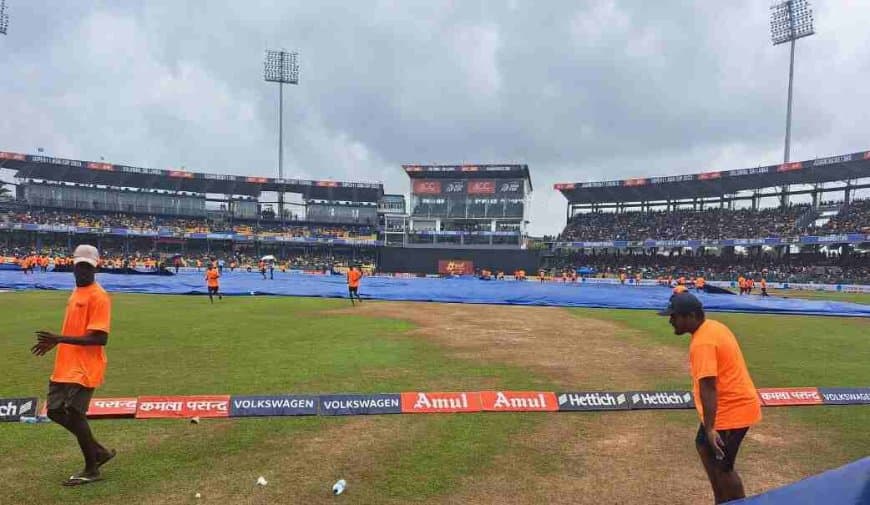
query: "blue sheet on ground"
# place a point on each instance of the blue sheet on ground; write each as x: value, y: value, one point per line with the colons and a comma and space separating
x: 847, y: 485
x: 462, y: 290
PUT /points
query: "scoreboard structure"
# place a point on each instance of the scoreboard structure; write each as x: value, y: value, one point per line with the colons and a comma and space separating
x: 468, y: 205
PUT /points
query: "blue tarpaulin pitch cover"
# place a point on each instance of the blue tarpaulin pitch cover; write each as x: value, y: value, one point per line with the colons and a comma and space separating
x: 847, y: 485
x: 456, y: 290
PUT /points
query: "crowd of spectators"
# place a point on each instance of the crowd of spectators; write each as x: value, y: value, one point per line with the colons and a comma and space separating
x: 853, y: 218
x: 184, y: 225
x: 831, y: 268
x: 321, y: 260
x: 685, y: 224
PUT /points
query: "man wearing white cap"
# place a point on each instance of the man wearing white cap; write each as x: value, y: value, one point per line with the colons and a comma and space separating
x: 80, y: 362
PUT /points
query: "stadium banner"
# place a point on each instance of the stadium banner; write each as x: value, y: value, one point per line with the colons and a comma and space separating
x: 512, y: 187
x: 455, y: 267
x: 577, y: 401
x: 155, y: 407
x: 481, y: 187
x: 281, y: 405
x: 112, y: 407
x: 518, y: 401
x: 13, y: 409
x: 360, y: 404
x: 426, y: 187
x: 845, y: 396
x: 454, y: 187
x: 778, y: 397
x: 642, y: 400
x: 438, y: 402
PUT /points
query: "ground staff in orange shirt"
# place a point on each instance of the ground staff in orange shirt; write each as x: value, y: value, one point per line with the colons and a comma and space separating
x: 725, y: 396
x: 354, y: 274
x: 80, y: 362
x: 211, y: 279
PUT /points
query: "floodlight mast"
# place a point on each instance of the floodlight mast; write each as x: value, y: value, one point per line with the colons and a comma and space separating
x: 4, y: 18
x: 790, y: 20
x: 281, y: 67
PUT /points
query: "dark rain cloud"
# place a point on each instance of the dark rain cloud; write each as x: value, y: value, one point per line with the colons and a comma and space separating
x: 578, y: 90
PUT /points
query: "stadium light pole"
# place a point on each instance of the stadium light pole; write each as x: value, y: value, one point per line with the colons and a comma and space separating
x: 281, y: 67
x: 4, y: 18
x: 790, y: 20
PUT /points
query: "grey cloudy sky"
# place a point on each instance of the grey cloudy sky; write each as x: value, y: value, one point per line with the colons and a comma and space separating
x: 577, y: 90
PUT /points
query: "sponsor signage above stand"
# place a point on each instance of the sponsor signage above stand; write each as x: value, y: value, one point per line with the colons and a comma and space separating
x: 12, y: 409
x: 592, y: 400
x: 282, y: 405
x: 845, y: 396
x: 430, y: 403
x: 778, y: 397
x: 518, y: 401
x: 112, y: 407
x: 155, y: 407
x: 360, y: 404
x: 661, y: 400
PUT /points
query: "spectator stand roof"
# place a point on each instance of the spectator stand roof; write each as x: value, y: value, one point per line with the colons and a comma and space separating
x: 109, y: 174
x: 718, y: 183
x: 469, y: 172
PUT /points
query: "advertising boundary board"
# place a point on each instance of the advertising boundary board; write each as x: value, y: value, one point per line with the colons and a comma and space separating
x: 12, y: 409
x: 422, y: 402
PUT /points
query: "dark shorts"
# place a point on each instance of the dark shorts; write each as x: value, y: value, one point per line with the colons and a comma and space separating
x: 353, y: 289
x: 213, y: 289
x: 732, y: 440
x: 67, y: 395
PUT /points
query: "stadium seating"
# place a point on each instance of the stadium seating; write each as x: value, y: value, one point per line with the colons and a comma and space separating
x: 183, y: 225
x: 712, y: 224
x: 805, y: 267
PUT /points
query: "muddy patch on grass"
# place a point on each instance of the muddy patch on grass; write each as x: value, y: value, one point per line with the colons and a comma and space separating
x: 619, y: 457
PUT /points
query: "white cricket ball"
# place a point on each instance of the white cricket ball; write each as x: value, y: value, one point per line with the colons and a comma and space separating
x: 262, y: 481
x: 194, y: 420
x: 197, y: 495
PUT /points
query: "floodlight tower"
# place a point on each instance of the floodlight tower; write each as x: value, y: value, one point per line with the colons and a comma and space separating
x: 4, y: 18
x: 790, y: 20
x: 281, y: 67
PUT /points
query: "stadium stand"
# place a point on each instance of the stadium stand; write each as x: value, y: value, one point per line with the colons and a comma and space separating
x: 685, y: 224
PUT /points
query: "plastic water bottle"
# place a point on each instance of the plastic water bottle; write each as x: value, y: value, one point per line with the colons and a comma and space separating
x: 34, y: 420
x: 338, y: 487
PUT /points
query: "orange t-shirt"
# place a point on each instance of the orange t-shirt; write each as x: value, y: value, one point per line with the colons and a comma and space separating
x: 679, y: 288
x: 88, y: 308
x: 353, y: 277
x: 714, y: 352
x: 212, y: 278
x: 763, y: 284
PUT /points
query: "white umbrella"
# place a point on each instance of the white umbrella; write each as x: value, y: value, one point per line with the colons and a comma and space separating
x: 267, y: 257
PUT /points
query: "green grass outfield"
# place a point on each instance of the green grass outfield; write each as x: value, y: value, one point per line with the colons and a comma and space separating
x: 262, y: 345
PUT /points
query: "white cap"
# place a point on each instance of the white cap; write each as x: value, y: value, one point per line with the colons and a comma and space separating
x: 86, y: 253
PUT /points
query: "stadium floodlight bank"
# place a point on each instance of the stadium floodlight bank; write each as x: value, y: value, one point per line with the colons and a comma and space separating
x: 281, y: 67
x: 4, y: 18
x: 790, y: 20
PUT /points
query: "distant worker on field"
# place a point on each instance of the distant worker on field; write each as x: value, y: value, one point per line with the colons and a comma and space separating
x: 725, y: 396
x: 262, y: 267
x: 741, y: 283
x: 211, y: 278
x: 353, y: 277
x: 700, y: 282
x: 763, y: 285
x: 637, y: 278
